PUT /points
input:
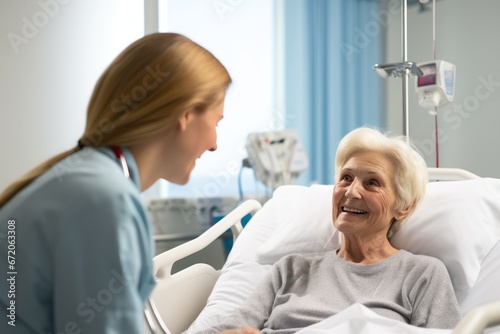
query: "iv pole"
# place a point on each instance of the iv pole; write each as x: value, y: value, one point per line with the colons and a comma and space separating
x: 406, y: 113
x: 404, y: 69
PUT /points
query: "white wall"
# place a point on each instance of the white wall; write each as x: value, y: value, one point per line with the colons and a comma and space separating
x: 466, y: 35
x: 51, y: 54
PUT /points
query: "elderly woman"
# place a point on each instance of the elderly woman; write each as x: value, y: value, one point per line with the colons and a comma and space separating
x: 379, y: 182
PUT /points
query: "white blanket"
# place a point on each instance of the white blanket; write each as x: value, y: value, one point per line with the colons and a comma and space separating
x: 358, y: 319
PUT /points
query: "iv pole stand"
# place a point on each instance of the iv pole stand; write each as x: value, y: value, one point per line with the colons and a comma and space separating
x: 406, y: 114
x: 405, y: 69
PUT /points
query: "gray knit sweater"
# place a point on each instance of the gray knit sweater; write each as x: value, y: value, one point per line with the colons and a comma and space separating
x: 302, y: 290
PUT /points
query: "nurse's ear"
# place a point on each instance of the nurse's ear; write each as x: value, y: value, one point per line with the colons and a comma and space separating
x: 187, y: 116
x: 184, y: 119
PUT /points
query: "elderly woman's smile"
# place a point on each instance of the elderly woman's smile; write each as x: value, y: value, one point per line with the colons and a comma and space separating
x: 352, y: 210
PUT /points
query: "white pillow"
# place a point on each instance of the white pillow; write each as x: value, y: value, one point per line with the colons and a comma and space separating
x: 459, y: 223
x: 482, y: 292
x: 304, y: 223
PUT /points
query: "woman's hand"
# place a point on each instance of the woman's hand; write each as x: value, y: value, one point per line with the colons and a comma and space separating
x: 242, y: 330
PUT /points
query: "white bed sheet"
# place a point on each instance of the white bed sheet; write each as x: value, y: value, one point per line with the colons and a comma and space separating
x: 457, y: 222
x: 358, y: 319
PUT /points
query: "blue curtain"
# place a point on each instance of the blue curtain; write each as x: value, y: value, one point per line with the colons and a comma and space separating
x: 330, y: 87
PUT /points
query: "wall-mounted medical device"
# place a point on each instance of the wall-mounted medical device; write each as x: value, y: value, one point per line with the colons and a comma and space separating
x: 277, y: 157
x: 436, y: 85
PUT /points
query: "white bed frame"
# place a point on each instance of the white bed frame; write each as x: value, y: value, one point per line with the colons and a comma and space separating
x: 178, y: 298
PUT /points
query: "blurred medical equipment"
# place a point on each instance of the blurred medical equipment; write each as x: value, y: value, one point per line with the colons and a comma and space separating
x: 277, y: 157
x: 470, y: 249
x: 192, y: 215
x: 436, y: 85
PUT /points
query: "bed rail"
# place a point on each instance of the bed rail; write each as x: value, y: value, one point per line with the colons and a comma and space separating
x: 163, y: 262
x: 450, y: 174
x: 172, y: 306
x: 479, y: 318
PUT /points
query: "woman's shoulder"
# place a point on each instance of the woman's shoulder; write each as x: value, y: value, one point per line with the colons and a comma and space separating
x: 421, y: 261
x: 88, y: 171
x: 86, y: 181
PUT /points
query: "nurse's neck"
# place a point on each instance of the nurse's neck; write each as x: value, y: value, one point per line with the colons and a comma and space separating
x: 144, y: 157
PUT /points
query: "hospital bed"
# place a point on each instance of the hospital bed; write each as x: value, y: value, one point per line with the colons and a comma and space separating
x: 458, y: 222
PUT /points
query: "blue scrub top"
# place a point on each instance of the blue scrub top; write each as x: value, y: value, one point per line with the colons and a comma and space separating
x: 82, y: 249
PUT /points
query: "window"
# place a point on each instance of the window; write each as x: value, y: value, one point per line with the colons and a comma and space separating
x: 241, y: 35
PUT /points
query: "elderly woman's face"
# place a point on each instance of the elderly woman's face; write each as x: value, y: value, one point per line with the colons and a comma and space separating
x: 364, y: 195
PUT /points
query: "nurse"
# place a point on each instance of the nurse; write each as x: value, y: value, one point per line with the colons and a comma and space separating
x: 75, y: 234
